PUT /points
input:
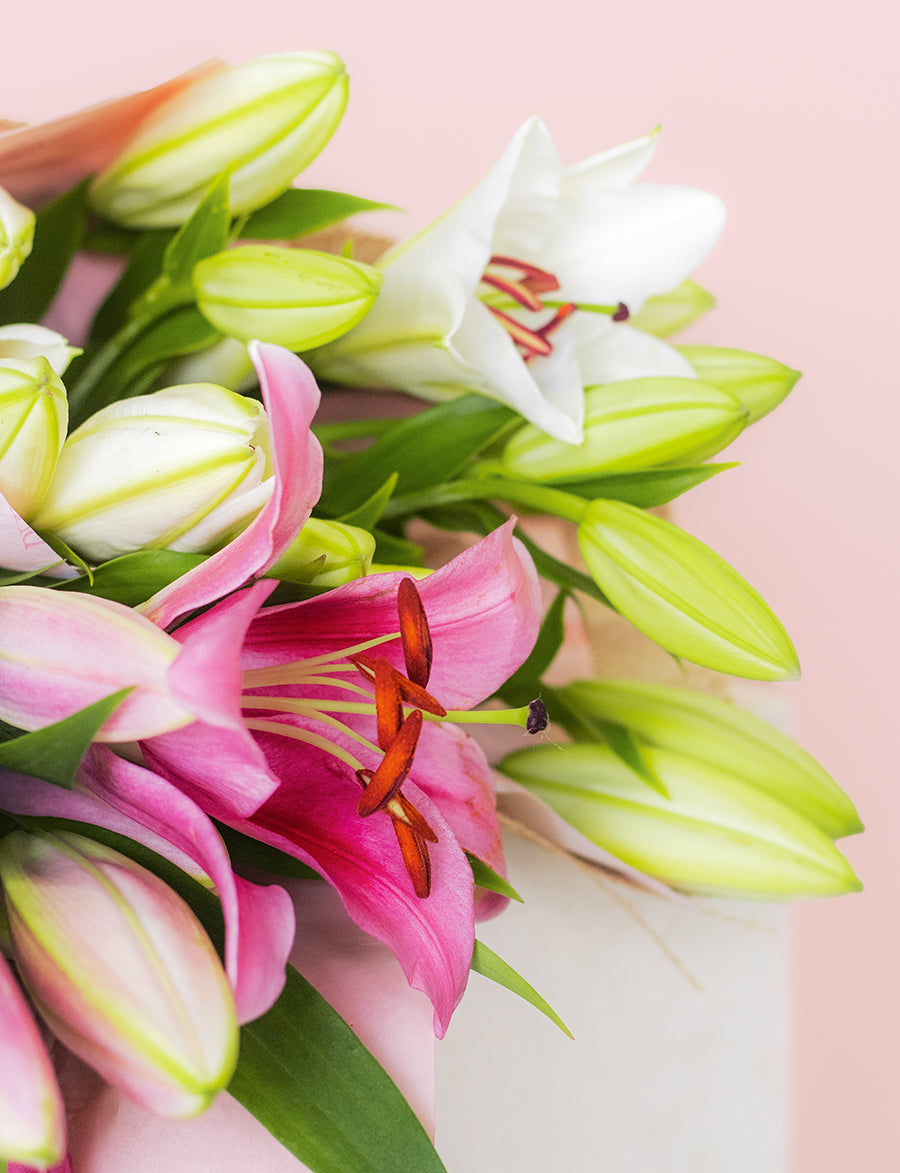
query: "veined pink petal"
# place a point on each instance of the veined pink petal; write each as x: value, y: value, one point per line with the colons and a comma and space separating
x: 32, y: 1122
x: 291, y: 397
x: 61, y: 651
x: 483, y: 609
x: 39, y: 161
x: 21, y: 548
x: 313, y: 817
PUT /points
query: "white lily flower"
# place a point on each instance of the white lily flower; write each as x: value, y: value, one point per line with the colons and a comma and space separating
x: 516, y: 291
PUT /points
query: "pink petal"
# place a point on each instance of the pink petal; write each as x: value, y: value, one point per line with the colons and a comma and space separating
x: 291, y: 397
x: 21, y: 548
x: 313, y: 816
x: 363, y: 982
x: 31, y: 1111
x: 64, y: 1166
x: 37, y: 162
x: 62, y: 651
x: 215, y: 758
x: 259, y: 920
x: 483, y: 609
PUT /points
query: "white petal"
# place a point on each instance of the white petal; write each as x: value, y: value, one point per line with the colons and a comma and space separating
x: 612, y: 170
x: 26, y: 340
x: 622, y: 352
x: 637, y: 243
x: 483, y: 342
x: 508, y: 211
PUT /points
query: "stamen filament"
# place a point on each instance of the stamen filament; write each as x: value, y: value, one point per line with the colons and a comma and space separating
x: 304, y: 735
x: 305, y: 708
x: 293, y: 672
x: 518, y: 292
x: 531, y: 340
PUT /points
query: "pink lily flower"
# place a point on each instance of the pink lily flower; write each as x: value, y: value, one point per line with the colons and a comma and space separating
x: 285, y: 758
x: 124, y: 797
x: 32, y: 1123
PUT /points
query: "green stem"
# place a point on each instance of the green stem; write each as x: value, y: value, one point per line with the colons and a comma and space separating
x: 538, y: 498
x: 353, y: 429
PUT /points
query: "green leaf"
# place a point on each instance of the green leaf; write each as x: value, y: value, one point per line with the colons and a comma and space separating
x: 395, y: 551
x: 307, y: 1078
x: 626, y: 747
x: 647, y: 488
x: 54, y: 753
x: 300, y: 212
x: 424, y: 450
x: 204, y: 234
x: 489, y: 965
x: 486, y: 877
x: 524, y: 684
x: 66, y: 553
x: 134, y: 578
x: 143, y: 268
x: 262, y: 856
x: 58, y: 232
x: 367, y: 514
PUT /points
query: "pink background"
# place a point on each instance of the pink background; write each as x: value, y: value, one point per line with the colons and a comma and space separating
x: 787, y: 110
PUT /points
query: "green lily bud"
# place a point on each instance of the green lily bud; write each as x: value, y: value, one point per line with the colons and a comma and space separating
x: 267, y: 120
x: 182, y: 469
x: 719, y: 733
x: 297, y: 298
x: 630, y: 425
x: 34, y: 413
x: 714, y: 834
x: 121, y: 970
x: 16, y: 236
x: 667, y: 313
x: 326, y: 554
x: 760, y: 383
x: 682, y: 594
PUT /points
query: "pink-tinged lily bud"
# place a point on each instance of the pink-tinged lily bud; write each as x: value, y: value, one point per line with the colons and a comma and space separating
x: 295, y: 297
x: 267, y: 119
x: 16, y: 236
x: 120, y: 969
x: 32, y: 1121
x: 186, y: 469
x: 34, y: 413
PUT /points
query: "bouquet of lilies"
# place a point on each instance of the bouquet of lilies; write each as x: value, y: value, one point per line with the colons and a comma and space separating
x: 227, y: 671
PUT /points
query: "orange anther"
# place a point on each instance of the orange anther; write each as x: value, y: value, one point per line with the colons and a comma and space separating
x: 415, y: 858
x: 410, y: 693
x: 414, y: 633
x: 393, y: 768
x: 416, y: 820
x: 388, y: 707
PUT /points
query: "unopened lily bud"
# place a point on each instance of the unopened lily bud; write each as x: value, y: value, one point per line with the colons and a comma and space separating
x: 667, y: 313
x: 682, y: 594
x: 186, y: 469
x: 34, y: 413
x: 26, y: 340
x: 725, y: 736
x: 297, y: 298
x: 712, y: 834
x: 760, y: 383
x: 32, y: 1121
x: 120, y: 969
x: 267, y: 119
x: 638, y: 423
x: 16, y: 236
x: 326, y: 554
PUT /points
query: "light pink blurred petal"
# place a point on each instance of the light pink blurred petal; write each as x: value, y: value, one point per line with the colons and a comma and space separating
x: 21, y: 548
x: 291, y: 397
x: 64, y: 1166
x: 62, y: 651
x: 31, y: 1110
x: 361, y: 980
x: 40, y: 161
x: 483, y: 609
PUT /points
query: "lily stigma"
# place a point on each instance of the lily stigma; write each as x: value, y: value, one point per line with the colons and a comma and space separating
x: 525, y: 287
x: 399, y: 704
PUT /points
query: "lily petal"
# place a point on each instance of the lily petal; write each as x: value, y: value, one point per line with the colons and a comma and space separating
x: 291, y: 398
x: 21, y: 549
x: 610, y: 352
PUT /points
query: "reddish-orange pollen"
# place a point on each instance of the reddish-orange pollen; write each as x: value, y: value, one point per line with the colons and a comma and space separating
x: 525, y: 287
x: 398, y: 736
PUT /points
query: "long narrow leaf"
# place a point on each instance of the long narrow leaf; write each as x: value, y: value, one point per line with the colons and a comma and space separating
x: 486, y: 962
x: 301, y: 211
